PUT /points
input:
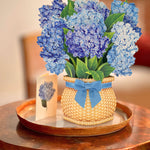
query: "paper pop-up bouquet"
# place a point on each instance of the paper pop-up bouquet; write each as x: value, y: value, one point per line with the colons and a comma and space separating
x: 90, y: 42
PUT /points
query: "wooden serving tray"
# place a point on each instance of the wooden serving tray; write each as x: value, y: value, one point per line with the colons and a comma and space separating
x: 58, y: 126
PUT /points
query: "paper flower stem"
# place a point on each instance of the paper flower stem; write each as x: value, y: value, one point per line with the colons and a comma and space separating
x: 44, y: 103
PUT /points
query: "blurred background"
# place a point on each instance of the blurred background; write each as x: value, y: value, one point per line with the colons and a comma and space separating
x: 17, y: 19
x: 20, y: 63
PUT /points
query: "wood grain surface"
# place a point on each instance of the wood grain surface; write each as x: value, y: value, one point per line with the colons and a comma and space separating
x: 14, y: 136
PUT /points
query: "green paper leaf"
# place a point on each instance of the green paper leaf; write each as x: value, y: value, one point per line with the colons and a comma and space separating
x: 71, y: 10
x: 65, y: 48
x: 92, y: 63
x: 73, y: 61
x: 86, y: 61
x: 109, y: 47
x: 81, y: 69
x: 68, y: 10
x: 70, y: 69
x: 110, y: 13
x: 106, y: 51
x: 65, y: 30
x: 106, y: 69
x: 112, y: 19
x: 109, y: 34
x: 97, y: 75
x: 100, y: 61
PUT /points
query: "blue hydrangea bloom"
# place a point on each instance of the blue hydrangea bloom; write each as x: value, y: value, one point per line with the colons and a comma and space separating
x: 52, y: 36
x: 121, y: 60
x: 130, y: 10
x: 47, y: 11
x: 124, y: 35
x: 121, y: 54
x: 56, y: 64
x: 131, y: 13
x: 92, y: 5
x: 52, y: 41
x: 46, y: 91
x: 86, y: 41
x: 87, y: 17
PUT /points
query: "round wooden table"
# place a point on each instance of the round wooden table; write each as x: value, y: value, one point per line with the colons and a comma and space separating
x: 14, y: 136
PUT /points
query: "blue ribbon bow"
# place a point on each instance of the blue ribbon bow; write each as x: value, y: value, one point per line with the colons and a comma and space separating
x: 94, y: 89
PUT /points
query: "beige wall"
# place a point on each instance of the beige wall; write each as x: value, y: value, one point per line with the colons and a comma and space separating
x: 17, y: 18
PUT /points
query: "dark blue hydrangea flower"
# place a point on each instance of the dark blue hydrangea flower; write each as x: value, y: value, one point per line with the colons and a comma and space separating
x: 121, y: 55
x: 46, y: 91
x: 92, y: 5
x: 52, y: 36
x: 47, y: 11
x: 86, y: 41
x: 52, y: 41
x: 138, y: 30
x: 131, y: 13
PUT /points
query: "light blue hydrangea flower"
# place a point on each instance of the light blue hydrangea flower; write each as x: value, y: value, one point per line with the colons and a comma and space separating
x: 121, y: 60
x: 124, y: 35
x: 121, y: 54
x: 92, y: 5
x: 56, y: 64
x: 87, y: 17
x: 47, y: 11
x: 52, y: 41
x: 86, y: 41
x: 130, y: 10
x: 46, y: 91
x: 131, y: 13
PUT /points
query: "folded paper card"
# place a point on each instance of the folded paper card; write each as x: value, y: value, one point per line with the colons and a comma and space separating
x: 46, y: 96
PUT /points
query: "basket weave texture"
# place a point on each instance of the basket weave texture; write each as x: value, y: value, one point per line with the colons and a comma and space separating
x: 101, y: 113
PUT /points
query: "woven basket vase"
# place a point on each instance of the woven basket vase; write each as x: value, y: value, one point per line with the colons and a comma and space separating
x: 101, y: 113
